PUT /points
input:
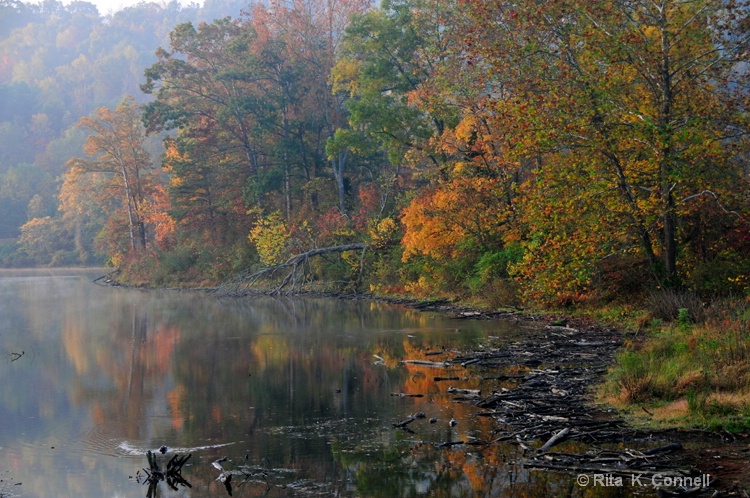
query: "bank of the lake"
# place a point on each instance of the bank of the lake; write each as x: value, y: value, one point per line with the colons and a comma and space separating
x: 683, y: 375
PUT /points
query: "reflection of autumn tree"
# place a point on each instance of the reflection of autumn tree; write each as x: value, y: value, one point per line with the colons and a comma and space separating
x: 269, y: 385
x: 444, y: 473
x: 134, y: 367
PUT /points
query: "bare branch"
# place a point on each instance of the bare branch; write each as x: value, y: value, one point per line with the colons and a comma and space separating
x: 289, y: 284
x: 716, y: 198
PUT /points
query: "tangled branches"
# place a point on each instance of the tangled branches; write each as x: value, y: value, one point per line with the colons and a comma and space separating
x: 294, y: 272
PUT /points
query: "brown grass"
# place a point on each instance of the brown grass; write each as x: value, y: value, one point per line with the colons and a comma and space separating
x: 695, y: 379
x: 634, y: 388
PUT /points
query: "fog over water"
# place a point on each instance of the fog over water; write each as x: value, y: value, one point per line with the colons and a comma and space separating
x: 93, y: 377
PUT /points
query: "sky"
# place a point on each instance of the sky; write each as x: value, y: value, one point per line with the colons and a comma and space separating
x: 109, y: 6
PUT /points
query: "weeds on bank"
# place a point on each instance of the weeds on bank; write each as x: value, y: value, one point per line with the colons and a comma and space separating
x: 693, y: 370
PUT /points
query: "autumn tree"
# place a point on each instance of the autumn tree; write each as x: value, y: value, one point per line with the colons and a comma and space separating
x: 413, y: 96
x: 222, y: 85
x: 636, y: 114
x: 43, y: 239
x: 116, y: 154
x: 253, y: 108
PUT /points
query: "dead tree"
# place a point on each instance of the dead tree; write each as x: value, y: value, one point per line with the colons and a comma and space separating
x: 292, y: 272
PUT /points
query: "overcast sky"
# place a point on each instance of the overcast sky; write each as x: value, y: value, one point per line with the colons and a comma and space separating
x: 108, y: 6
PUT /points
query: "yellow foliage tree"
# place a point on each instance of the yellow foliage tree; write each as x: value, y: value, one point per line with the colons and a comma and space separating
x: 271, y: 238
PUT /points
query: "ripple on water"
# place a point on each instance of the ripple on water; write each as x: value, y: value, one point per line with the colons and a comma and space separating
x: 131, y: 449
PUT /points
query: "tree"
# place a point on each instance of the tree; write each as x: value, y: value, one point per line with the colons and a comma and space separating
x: 116, y: 149
x: 381, y: 69
x: 310, y: 32
x: 253, y: 107
x: 632, y: 111
x: 41, y: 238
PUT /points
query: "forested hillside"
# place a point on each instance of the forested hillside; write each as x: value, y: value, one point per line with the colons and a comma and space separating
x: 59, y: 63
x: 544, y: 150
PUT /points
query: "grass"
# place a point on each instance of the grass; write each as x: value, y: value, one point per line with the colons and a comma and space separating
x: 688, y: 372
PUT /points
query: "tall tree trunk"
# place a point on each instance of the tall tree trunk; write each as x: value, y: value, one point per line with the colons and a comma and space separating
x: 339, y: 165
x: 128, y: 201
x: 665, y: 160
x: 287, y: 190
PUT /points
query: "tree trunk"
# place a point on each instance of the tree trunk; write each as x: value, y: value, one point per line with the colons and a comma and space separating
x: 131, y: 222
x: 338, y: 172
x: 667, y: 100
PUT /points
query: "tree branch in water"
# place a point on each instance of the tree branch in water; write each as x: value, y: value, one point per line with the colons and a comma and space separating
x: 294, y: 271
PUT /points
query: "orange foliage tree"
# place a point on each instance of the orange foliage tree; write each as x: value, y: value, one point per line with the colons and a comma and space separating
x: 453, y: 218
x: 118, y: 157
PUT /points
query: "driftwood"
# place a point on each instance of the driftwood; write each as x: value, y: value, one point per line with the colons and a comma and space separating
x: 409, y: 420
x: 250, y: 475
x: 107, y: 280
x: 545, y: 400
x: 557, y: 438
x: 662, y: 449
x: 15, y: 356
x: 293, y: 273
x: 426, y: 363
x: 470, y: 392
x: 623, y: 463
x: 172, y: 475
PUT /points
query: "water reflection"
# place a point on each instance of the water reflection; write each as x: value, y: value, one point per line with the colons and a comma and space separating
x: 170, y: 473
x: 297, y: 392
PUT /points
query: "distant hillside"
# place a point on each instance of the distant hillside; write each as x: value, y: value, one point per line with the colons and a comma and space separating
x: 58, y: 63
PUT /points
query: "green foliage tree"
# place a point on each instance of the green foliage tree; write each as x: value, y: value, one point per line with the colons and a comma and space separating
x: 381, y: 70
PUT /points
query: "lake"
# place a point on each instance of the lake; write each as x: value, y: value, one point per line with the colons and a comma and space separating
x: 301, y: 393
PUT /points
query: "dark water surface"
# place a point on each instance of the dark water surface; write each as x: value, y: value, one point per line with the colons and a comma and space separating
x: 300, y: 390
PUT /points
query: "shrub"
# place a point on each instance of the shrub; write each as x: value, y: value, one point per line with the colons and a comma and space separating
x: 490, y: 281
x: 633, y: 377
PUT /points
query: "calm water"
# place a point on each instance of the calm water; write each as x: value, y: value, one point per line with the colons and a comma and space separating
x: 93, y: 377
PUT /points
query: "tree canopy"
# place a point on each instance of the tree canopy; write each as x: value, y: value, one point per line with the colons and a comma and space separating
x: 539, y: 150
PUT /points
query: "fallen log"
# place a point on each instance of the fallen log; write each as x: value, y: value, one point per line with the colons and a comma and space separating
x: 561, y: 328
x: 403, y: 424
x: 426, y: 363
x: 557, y: 438
x: 449, y: 444
x: 472, y: 392
x: 643, y: 474
x: 294, y: 267
x: 662, y: 449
